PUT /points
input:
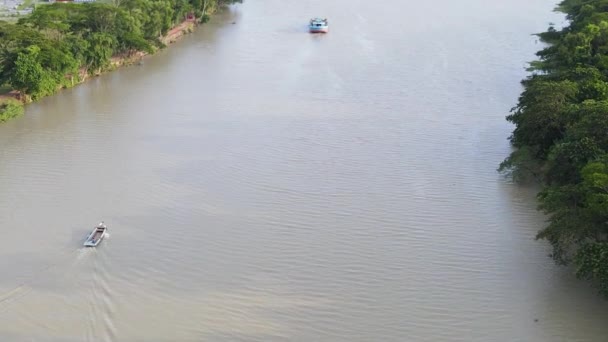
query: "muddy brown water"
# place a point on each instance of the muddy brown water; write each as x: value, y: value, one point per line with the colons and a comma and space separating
x: 263, y: 184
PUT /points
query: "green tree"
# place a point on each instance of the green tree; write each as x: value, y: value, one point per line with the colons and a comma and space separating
x: 45, y: 50
x: 29, y: 76
x: 560, y: 135
x: 100, y: 50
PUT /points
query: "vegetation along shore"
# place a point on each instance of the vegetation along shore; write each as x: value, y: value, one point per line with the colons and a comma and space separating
x: 561, y: 138
x: 59, y: 45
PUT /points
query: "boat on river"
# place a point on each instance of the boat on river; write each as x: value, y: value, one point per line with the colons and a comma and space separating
x: 318, y: 25
x: 96, y: 235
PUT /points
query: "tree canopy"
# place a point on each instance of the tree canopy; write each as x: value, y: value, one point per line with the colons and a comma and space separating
x: 41, y: 52
x: 561, y: 137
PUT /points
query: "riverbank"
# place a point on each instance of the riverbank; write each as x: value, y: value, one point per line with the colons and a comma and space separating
x: 10, y: 108
x: 560, y: 139
x: 12, y: 102
x: 62, y: 45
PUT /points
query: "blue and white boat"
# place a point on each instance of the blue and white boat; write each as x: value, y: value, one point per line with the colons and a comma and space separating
x: 318, y: 25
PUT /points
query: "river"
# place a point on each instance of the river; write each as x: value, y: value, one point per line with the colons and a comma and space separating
x: 264, y: 184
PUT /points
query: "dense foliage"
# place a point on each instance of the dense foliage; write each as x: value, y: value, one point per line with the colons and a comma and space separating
x: 46, y: 50
x: 10, y: 109
x: 561, y: 137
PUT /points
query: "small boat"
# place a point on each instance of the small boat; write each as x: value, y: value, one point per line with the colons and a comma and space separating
x: 96, y: 235
x: 318, y: 25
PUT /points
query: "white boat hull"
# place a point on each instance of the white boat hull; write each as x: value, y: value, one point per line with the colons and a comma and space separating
x: 318, y: 25
x: 319, y: 29
x: 96, y: 235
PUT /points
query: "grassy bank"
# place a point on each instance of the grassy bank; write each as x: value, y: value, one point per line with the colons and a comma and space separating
x: 10, y: 108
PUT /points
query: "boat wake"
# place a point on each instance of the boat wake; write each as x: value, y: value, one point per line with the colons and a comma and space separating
x: 24, y: 288
x: 100, y: 306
